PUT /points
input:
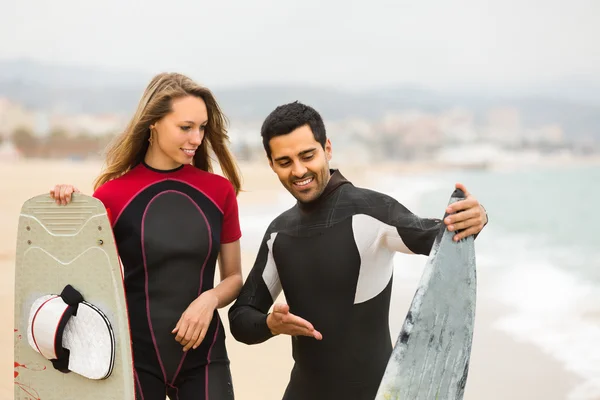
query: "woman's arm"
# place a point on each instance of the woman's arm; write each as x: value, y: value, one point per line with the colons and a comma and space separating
x: 230, y: 268
x: 195, y: 320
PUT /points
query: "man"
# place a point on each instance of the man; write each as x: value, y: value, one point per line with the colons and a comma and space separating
x: 332, y: 254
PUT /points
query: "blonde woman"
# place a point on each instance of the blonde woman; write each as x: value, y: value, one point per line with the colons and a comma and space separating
x: 172, y: 219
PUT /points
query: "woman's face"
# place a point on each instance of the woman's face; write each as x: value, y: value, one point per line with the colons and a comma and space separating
x: 176, y: 137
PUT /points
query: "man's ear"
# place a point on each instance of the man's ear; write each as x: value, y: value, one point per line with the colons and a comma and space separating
x: 270, y: 162
x: 328, y: 150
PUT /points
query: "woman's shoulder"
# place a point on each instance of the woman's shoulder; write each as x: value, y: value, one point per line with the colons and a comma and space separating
x: 214, y: 186
x: 208, y: 179
x: 115, y: 186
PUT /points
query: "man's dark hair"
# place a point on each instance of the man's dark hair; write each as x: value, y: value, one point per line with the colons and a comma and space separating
x: 288, y: 117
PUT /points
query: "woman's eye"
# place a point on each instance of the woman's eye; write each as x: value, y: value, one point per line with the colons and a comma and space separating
x: 203, y: 127
x: 186, y: 128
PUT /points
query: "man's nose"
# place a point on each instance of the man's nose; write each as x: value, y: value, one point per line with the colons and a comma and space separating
x: 299, y: 170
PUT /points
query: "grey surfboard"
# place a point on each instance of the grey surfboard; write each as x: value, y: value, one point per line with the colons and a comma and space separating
x: 430, y: 360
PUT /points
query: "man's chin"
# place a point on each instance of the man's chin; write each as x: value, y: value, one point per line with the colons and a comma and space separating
x: 304, y: 197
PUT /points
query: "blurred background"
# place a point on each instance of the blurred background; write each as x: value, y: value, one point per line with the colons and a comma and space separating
x: 503, y: 96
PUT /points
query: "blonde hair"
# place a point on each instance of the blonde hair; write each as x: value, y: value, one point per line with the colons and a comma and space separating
x: 129, y: 148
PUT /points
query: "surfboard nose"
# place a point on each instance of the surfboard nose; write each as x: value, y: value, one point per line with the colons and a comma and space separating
x: 459, y: 194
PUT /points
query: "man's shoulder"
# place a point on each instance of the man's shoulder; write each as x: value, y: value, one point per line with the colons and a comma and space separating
x: 364, y: 197
x: 284, y: 221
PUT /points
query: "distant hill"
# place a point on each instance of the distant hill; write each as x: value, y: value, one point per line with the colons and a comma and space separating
x: 79, y: 89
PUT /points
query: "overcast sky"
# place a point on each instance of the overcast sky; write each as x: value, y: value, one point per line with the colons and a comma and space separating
x: 436, y: 43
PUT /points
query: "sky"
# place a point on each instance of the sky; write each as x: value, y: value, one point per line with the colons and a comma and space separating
x: 353, y: 44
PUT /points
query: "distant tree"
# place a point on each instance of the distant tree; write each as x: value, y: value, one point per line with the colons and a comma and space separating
x: 25, y: 141
x: 57, y: 135
x: 57, y: 143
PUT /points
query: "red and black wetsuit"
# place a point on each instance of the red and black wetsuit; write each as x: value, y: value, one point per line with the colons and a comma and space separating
x: 169, y: 226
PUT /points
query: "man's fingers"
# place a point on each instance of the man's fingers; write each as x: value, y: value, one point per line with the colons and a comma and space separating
x: 461, y: 205
x: 292, y: 319
x: 466, y: 233
x: 458, y: 226
x: 300, y: 326
x: 294, y: 330
x: 281, y: 308
x: 283, y: 321
x: 463, y: 188
x: 463, y: 216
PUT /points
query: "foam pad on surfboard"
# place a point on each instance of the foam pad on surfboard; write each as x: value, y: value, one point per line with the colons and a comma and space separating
x: 79, y: 337
x: 60, y: 246
x: 431, y: 357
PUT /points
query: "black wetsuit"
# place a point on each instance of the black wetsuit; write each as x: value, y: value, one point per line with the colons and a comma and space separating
x: 333, y: 258
x: 169, y: 226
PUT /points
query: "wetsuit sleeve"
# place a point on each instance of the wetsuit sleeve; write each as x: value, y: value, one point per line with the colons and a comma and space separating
x: 406, y: 232
x: 248, y: 315
x: 100, y: 194
x: 231, y: 222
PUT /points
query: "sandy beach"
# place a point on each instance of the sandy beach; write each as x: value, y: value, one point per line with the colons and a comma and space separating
x: 501, y: 368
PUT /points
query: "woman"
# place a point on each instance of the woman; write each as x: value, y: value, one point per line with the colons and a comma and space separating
x: 172, y: 218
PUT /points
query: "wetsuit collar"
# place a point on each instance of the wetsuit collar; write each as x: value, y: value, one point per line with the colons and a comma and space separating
x: 335, y: 181
x: 162, y: 171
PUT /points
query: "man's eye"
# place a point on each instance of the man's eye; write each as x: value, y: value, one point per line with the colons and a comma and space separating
x: 284, y: 164
x: 308, y: 157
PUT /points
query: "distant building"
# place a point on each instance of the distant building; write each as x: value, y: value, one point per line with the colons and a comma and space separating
x: 90, y: 124
x: 13, y: 116
x: 458, y: 126
x: 8, y: 151
x: 504, y: 126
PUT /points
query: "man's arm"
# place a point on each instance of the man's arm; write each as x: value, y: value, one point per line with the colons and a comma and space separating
x: 248, y: 315
x: 409, y: 233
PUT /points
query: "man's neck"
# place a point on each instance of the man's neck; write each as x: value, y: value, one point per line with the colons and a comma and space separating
x: 336, y: 179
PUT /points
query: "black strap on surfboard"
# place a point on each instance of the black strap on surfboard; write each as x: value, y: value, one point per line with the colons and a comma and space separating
x: 72, y: 297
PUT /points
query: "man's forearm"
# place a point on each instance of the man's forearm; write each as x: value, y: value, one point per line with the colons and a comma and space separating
x: 248, y: 325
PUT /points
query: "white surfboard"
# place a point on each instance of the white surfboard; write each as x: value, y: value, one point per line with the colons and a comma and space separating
x: 430, y: 360
x: 71, y: 327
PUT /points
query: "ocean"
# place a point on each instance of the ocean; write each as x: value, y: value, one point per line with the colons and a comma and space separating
x: 541, y: 247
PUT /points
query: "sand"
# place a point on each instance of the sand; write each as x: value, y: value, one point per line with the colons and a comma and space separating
x: 501, y: 369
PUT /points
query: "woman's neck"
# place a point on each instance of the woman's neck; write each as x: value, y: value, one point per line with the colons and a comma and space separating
x: 160, y: 161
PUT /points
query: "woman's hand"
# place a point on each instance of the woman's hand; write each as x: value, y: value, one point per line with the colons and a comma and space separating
x: 195, y: 320
x: 62, y: 193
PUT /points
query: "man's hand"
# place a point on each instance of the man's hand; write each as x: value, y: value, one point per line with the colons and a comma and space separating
x: 281, y: 321
x: 471, y: 218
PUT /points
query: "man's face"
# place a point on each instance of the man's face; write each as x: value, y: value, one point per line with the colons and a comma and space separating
x: 301, y: 164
